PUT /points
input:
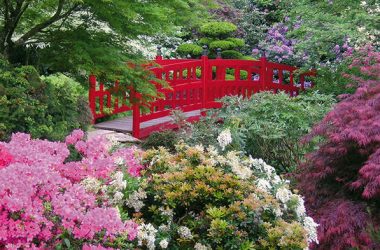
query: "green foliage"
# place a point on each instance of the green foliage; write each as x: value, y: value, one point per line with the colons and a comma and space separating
x: 167, y: 139
x: 216, y: 35
x: 86, y: 36
x: 248, y: 58
x: 205, y: 41
x: 231, y: 54
x: 331, y: 81
x: 218, y: 29
x: 223, y: 44
x: 269, y: 126
x: 203, y: 132
x: 46, y: 107
x: 325, y: 24
x: 196, y: 196
x: 237, y: 41
x: 189, y: 49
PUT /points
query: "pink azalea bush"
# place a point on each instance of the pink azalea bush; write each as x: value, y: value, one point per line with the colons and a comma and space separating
x: 41, y: 197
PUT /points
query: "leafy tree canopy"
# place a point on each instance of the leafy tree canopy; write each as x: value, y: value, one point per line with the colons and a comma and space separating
x: 86, y: 35
x: 322, y: 25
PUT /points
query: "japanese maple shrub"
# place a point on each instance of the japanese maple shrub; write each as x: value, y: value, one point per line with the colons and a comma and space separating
x: 341, y: 180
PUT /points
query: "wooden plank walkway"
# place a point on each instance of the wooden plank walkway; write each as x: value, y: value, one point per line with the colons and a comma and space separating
x: 125, y: 124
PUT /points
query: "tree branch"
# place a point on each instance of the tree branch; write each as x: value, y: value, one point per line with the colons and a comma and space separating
x: 39, y: 27
x: 16, y: 16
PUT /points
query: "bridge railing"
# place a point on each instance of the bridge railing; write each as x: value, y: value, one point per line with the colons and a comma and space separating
x: 196, y: 84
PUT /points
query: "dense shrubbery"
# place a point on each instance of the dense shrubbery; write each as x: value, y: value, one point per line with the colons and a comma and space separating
x: 46, y: 107
x: 167, y: 139
x: 194, y: 198
x: 189, y: 49
x: 267, y: 126
x: 341, y: 179
x: 199, y: 199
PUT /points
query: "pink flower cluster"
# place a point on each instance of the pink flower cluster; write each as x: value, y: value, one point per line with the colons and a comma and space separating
x: 5, y: 157
x: 40, y: 197
x: 130, y: 157
x: 74, y: 137
x: 97, y: 161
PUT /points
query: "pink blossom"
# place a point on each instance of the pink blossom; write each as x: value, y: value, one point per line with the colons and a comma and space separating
x: 5, y: 157
x: 41, y: 196
x: 75, y: 136
x: 132, y: 229
x: 95, y: 247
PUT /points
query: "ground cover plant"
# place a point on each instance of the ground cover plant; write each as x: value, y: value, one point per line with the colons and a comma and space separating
x: 340, y: 180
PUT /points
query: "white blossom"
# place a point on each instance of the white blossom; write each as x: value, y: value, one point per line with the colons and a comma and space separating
x: 311, y: 228
x: 167, y: 212
x: 119, y: 161
x: 300, y: 209
x: 163, y: 228
x: 91, y: 184
x: 283, y: 194
x: 263, y: 185
x: 199, y: 246
x: 118, y: 197
x: 212, y: 151
x: 260, y: 165
x: 118, y: 181
x: 164, y: 243
x: 134, y: 200
x: 224, y: 138
x: 276, y: 179
x: 242, y: 172
x: 200, y: 148
x: 184, y: 232
x: 277, y: 211
x: 146, y: 235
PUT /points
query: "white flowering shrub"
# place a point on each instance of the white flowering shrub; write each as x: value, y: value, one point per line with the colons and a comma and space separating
x: 198, y: 198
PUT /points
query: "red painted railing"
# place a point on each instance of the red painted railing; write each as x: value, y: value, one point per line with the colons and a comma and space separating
x: 196, y: 84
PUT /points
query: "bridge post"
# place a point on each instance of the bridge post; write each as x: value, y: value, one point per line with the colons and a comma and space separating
x: 218, y: 53
x: 135, y: 114
x: 204, y: 79
x: 159, y: 53
x: 263, y: 73
x: 91, y: 96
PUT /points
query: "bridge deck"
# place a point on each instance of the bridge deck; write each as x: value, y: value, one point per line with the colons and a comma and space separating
x: 125, y: 124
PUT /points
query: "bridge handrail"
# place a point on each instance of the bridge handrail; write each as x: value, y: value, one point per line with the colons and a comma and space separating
x: 196, y: 84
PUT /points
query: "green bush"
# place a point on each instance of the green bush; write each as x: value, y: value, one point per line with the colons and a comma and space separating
x: 248, y: 58
x: 267, y: 126
x: 218, y: 29
x: 270, y: 126
x: 167, y: 139
x: 46, y: 107
x: 231, y: 54
x: 331, y: 80
x: 237, y: 41
x: 222, y: 44
x: 189, y: 49
x: 205, y: 41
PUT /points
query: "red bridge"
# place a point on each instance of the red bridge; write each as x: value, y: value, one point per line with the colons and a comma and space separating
x: 196, y: 84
